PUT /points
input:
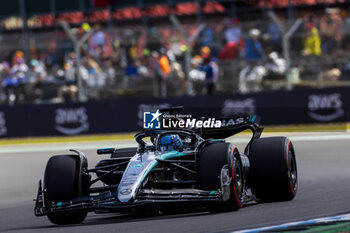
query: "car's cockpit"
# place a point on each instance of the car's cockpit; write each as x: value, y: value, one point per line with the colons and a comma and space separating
x: 167, y: 140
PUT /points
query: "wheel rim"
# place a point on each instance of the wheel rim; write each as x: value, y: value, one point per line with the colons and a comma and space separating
x: 238, y: 178
x: 292, y: 170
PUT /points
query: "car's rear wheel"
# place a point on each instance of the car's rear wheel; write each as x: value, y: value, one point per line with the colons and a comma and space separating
x: 273, y: 169
x: 63, y: 182
x: 218, y: 160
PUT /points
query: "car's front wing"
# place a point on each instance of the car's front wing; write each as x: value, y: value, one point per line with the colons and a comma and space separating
x: 108, y: 201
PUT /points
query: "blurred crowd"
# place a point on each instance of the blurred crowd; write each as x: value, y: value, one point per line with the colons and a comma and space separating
x: 152, y: 60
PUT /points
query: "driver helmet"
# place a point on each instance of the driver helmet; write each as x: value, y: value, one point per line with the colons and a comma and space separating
x: 170, y: 142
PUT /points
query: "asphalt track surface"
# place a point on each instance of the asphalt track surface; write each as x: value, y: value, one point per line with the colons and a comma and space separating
x: 324, y: 190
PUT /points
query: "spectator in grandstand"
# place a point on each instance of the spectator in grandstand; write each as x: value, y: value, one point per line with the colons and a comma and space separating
x: 207, y: 37
x: 4, y: 70
x: 18, y: 63
x: 15, y: 83
x: 176, y: 84
x: 14, y: 87
x: 345, y: 72
x: 98, y: 42
x: 251, y: 75
x: 312, y: 43
x: 36, y: 72
x: 345, y: 43
x: 158, y: 75
x: 164, y: 71
x: 195, y: 74
x: 153, y: 42
x: 36, y: 78
x: 96, y: 79
x: 232, y: 42
x: 312, y: 52
x: 273, y: 33
x: 110, y: 71
x: 275, y: 70
x: 69, y: 91
x: 231, y: 50
x: 330, y: 29
x: 233, y: 33
x: 331, y: 75
x: 210, y: 68
x: 98, y: 38
x: 7, y: 83
x: 253, y: 49
x: 275, y: 66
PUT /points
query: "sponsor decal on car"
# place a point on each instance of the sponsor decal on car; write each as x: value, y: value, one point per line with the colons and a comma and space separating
x: 125, y: 191
x: 234, y: 121
x: 326, y: 108
x: 71, y: 121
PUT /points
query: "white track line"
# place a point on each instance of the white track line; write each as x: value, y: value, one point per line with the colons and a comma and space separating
x: 53, y: 147
x: 49, y: 147
x: 345, y: 217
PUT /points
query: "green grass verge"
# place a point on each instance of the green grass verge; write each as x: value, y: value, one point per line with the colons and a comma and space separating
x: 328, y: 228
x: 340, y: 127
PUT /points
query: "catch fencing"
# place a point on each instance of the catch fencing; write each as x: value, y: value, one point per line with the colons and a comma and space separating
x: 326, y: 105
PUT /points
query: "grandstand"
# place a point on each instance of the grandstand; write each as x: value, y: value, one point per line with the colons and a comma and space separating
x: 38, y: 59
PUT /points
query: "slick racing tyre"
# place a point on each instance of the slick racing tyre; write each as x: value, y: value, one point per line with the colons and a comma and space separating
x: 273, y: 169
x: 62, y: 182
x: 215, y: 159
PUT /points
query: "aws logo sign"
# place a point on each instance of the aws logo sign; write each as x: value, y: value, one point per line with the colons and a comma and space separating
x: 71, y: 121
x: 233, y: 107
x: 326, y: 108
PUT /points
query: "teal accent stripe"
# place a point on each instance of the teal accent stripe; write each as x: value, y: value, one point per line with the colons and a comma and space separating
x: 169, y: 155
x: 253, y: 119
x: 211, y: 193
x: 172, y: 154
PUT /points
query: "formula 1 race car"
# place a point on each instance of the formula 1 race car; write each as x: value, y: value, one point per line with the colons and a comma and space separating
x: 194, y: 168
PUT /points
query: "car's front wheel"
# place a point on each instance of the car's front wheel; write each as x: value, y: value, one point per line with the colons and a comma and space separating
x: 62, y: 182
x: 220, y: 162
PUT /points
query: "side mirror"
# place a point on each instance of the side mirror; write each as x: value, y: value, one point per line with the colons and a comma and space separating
x: 142, y: 147
x: 105, y: 151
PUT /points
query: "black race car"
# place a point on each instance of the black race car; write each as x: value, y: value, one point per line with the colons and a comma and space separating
x: 171, y: 167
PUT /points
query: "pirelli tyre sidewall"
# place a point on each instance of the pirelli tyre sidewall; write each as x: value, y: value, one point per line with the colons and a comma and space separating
x: 273, y: 169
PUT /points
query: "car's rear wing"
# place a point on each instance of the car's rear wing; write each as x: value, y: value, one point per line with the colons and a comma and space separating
x: 232, y: 126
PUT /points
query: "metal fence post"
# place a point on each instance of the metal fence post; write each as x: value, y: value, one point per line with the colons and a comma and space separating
x: 285, y: 42
x: 188, y: 39
x: 77, y: 46
x: 23, y: 13
x: 286, y: 50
